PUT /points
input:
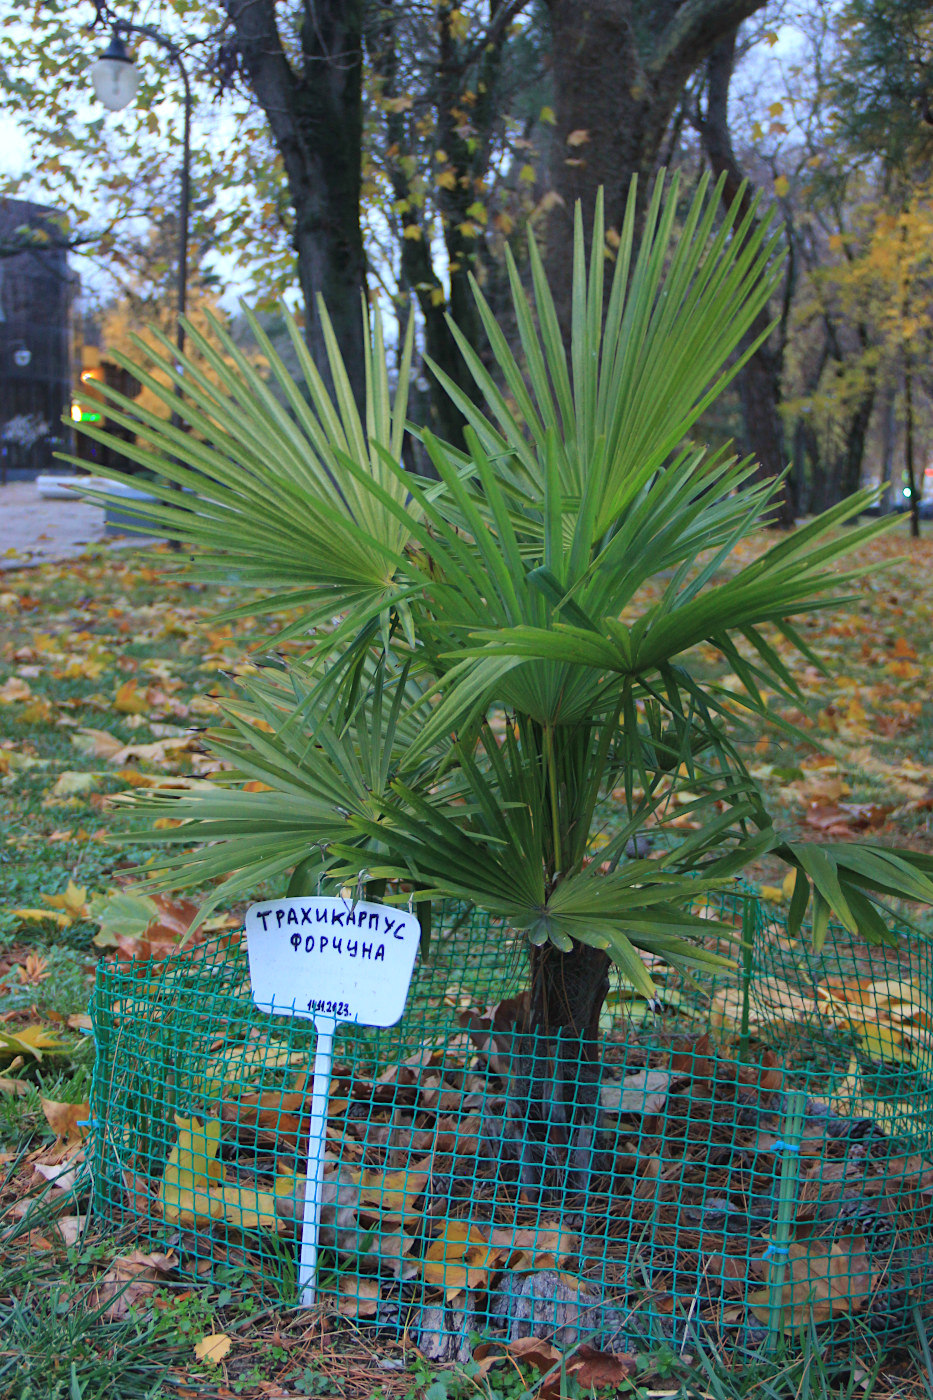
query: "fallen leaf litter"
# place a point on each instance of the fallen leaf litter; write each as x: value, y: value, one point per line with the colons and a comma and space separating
x: 432, y: 1233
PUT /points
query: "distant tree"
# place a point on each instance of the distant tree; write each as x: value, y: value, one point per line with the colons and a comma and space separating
x: 620, y: 68
x: 883, y: 89
x: 456, y: 98
x: 760, y: 380
x: 311, y: 92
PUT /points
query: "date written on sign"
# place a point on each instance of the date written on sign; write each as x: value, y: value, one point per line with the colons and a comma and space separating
x: 324, y: 957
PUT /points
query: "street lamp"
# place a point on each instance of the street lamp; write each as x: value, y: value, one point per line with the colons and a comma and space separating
x: 115, y: 75
x: 116, y: 79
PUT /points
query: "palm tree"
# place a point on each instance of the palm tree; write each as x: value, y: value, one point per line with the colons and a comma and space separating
x: 486, y: 657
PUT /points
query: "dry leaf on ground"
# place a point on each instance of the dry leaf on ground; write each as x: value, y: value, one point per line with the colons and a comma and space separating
x: 130, y: 1279
x: 591, y: 1370
x: 70, y: 1228
x: 645, y: 1091
x: 359, y: 1297
x: 72, y: 782
x: 62, y: 1175
x: 191, y: 1169
x: 213, y: 1348
x: 194, y: 1187
x: 829, y: 1276
x: 245, y: 1208
x: 544, y: 1248
x: 461, y: 1257
x: 532, y: 1351
x: 393, y: 1194
x: 96, y: 743
x: 68, y: 1121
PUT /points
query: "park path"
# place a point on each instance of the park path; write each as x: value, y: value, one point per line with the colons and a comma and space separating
x: 33, y: 530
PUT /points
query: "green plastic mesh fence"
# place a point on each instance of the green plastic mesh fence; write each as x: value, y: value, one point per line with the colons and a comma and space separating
x: 748, y: 1158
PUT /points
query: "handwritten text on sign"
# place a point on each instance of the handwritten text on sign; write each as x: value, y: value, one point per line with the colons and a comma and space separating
x: 318, y: 956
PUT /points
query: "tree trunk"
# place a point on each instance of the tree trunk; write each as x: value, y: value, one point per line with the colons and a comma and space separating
x: 760, y: 380
x: 759, y: 394
x: 567, y: 994
x: 909, y: 451
x: 847, y: 476
x: 888, y: 443
x: 459, y: 81
x: 315, y: 112
x: 619, y: 71
x: 807, y: 449
x: 555, y: 1089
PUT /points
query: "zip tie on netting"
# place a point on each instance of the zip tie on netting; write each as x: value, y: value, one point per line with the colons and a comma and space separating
x: 782, y: 1146
x: 775, y: 1250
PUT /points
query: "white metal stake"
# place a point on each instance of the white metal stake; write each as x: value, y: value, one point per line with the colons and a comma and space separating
x: 317, y: 1141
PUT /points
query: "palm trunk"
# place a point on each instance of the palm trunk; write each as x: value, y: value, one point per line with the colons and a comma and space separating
x: 555, y: 1090
x: 567, y: 994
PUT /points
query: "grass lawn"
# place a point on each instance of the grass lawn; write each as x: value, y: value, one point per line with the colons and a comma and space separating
x: 116, y: 646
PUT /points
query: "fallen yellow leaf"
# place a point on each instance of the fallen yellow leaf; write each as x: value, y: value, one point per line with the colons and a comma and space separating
x: 31, y: 1040
x: 537, y: 1249
x: 392, y: 1193
x: 883, y: 1043
x: 245, y: 1208
x: 194, y: 1187
x: 459, y: 1258
x: 73, y: 901
x: 128, y: 699
x: 36, y: 916
x: 184, y: 1191
x: 14, y: 689
x: 38, y: 711
x: 70, y: 782
x: 97, y: 743
x: 213, y: 1348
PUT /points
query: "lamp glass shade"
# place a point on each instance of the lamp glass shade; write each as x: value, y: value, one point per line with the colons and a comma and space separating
x: 116, y: 81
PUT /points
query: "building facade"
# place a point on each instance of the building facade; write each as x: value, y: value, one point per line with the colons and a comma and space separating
x: 36, y: 289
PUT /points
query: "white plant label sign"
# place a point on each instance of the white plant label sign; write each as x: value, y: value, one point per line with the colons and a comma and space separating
x: 328, y: 960
x: 319, y: 957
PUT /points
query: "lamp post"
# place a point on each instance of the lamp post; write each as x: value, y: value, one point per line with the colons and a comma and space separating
x: 116, y: 78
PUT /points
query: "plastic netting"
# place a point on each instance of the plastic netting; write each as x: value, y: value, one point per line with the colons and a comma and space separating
x: 749, y: 1157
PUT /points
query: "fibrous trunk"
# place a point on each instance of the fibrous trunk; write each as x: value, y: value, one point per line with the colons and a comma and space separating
x: 554, y: 1098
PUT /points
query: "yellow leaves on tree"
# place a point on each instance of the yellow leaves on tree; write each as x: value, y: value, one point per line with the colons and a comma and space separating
x: 129, y: 327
